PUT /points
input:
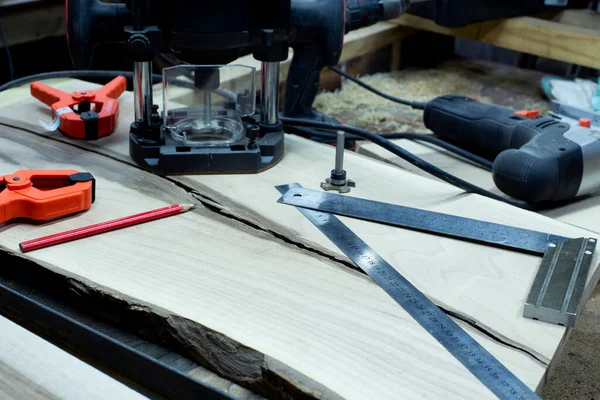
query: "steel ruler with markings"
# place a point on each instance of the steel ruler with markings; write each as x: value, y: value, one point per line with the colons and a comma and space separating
x: 554, y: 297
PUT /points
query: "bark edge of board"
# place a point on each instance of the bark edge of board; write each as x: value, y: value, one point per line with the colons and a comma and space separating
x: 213, y: 350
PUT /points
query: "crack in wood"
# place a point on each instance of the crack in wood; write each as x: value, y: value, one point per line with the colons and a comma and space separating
x: 211, y: 349
x: 348, y: 264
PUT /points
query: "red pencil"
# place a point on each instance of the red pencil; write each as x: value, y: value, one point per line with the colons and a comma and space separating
x: 102, y: 227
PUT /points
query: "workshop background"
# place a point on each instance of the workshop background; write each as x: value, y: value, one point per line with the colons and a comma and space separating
x: 32, y: 35
x: 33, y: 41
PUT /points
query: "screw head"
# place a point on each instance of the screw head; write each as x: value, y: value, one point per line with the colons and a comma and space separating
x: 16, y: 178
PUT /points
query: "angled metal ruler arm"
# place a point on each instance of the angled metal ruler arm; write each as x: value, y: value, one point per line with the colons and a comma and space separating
x: 424, y: 221
x: 556, y: 293
x: 483, y: 365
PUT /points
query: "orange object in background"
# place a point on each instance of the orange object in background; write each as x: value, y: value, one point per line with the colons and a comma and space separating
x: 528, y: 113
x: 85, y: 114
x: 43, y: 195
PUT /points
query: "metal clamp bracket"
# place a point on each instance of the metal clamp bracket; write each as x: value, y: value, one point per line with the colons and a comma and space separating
x: 558, y: 287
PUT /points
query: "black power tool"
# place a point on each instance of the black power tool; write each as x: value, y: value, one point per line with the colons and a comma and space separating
x: 310, y: 56
x: 536, y: 158
x: 226, y: 136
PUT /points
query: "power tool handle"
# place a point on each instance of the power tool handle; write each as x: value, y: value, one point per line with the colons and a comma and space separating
x: 548, y: 168
x: 302, y: 82
x: 533, y: 161
x: 485, y: 129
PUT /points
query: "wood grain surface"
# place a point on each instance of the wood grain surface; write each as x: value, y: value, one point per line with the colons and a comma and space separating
x: 259, y: 311
x: 256, y: 294
x: 487, y: 291
x: 32, y: 368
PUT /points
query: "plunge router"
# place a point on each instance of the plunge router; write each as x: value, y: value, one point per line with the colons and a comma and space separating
x: 208, y: 122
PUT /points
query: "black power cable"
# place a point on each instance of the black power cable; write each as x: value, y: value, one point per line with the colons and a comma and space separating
x: 418, y: 105
x: 73, y: 74
x: 11, y: 69
x: 414, y: 104
x: 309, y: 132
x: 292, y: 123
x: 411, y: 158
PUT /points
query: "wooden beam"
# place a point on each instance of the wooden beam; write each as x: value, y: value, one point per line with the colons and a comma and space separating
x: 372, y: 38
x: 550, y: 39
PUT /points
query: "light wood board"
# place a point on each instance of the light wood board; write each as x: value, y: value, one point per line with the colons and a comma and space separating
x: 32, y: 368
x: 486, y: 286
x: 260, y: 311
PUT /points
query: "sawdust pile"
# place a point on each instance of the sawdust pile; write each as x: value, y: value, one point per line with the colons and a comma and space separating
x: 359, y: 107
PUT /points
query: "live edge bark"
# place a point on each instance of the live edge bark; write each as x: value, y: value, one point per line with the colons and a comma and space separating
x: 213, y: 350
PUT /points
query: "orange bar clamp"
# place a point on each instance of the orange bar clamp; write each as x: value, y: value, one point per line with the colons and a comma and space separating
x: 86, y: 114
x: 45, y: 194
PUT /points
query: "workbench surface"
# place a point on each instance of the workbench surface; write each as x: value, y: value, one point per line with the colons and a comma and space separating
x: 251, y: 290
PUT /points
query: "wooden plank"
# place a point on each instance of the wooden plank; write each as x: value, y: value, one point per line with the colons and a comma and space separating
x: 395, y: 55
x: 277, y: 319
x: 550, y: 39
x: 32, y: 368
x: 488, y: 291
x: 367, y: 40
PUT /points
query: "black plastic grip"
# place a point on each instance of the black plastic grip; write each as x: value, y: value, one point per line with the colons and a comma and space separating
x: 302, y: 83
x: 548, y: 168
x: 484, y: 128
x: 533, y: 160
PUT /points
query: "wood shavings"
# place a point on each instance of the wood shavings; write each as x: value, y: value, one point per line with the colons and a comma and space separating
x: 483, y: 81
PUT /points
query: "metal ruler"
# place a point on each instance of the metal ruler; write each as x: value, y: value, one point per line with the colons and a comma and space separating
x: 556, y: 294
x: 495, y: 376
x: 425, y: 221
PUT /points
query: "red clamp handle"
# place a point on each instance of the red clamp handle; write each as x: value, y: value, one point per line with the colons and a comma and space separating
x: 42, y: 195
x: 98, y: 122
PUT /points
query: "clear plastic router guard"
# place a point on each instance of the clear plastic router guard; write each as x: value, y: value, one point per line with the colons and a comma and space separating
x: 204, y: 105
